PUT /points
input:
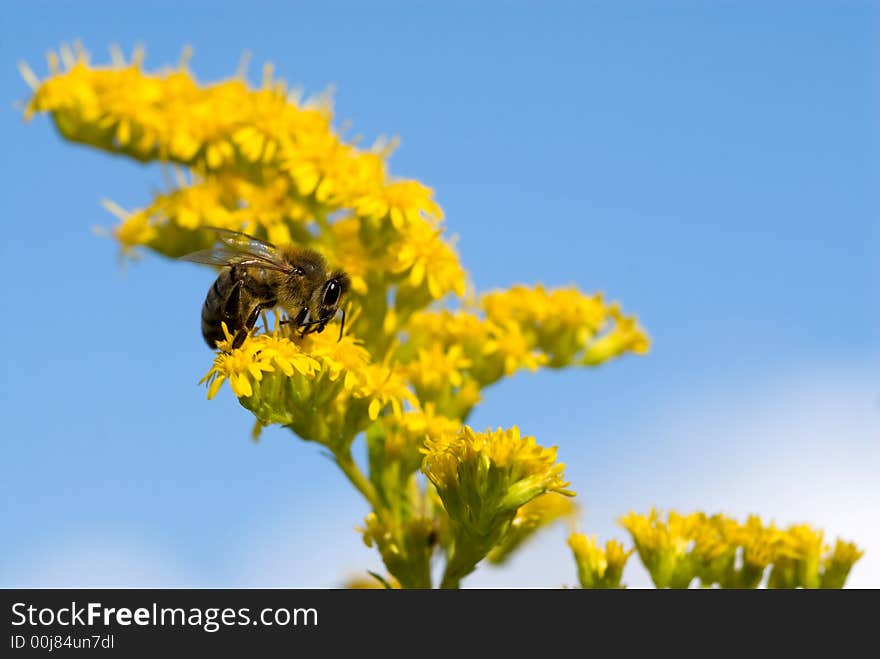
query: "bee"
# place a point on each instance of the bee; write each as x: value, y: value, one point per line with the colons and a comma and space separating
x: 257, y: 276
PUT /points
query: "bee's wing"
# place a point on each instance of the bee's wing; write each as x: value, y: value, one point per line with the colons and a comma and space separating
x: 240, y: 249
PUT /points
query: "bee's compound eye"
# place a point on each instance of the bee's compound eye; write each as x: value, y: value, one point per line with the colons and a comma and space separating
x: 332, y: 293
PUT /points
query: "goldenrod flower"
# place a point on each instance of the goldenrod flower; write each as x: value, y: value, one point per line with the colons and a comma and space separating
x: 384, y: 386
x: 837, y: 565
x: 798, y: 561
x: 490, y: 472
x: 513, y: 350
x: 626, y: 335
x: 448, y: 328
x: 169, y: 116
x: 326, y: 389
x: 405, y: 546
x: 244, y: 367
x: 403, y: 436
x: 663, y: 548
x: 403, y: 202
x: 173, y: 223
x: 597, y: 567
x: 429, y: 262
x: 528, y: 328
x: 353, y: 256
x: 722, y: 551
x: 762, y: 545
x: 436, y: 370
x: 482, y: 479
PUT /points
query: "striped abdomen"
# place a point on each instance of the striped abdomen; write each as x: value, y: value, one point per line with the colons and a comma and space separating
x: 221, y: 307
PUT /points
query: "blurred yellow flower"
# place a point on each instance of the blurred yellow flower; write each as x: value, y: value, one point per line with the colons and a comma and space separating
x: 404, y: 546
x: 404, y: 202
x: 429, y: 261
x: 598, y: 567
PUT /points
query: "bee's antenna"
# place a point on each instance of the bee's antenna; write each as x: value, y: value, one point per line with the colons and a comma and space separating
x: 341, y: 325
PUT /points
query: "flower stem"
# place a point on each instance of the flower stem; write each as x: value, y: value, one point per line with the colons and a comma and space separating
x: 357, y: 477
x: 460, y: 564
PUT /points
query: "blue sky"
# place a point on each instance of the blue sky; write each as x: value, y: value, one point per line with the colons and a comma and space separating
x: 713, y: 166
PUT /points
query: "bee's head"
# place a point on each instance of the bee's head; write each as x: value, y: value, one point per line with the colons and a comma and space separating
x: 332, y: 292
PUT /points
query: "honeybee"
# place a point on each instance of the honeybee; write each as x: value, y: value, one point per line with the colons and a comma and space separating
x: 257, y: 276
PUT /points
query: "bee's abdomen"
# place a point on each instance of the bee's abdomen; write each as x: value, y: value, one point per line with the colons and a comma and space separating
x: 215, y: 310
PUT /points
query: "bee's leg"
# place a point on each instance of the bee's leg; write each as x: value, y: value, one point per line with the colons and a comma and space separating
x: 249, y: 323
x: 240, y: 336
x: 298, y: 320
x: 311, y: 326
x: 319, y: 325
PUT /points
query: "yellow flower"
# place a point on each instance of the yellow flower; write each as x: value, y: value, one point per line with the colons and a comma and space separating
x: 169, y: 116
x: 513, y: 350
x: 799, y: 559
x: 482, y: 479
x: 436, y: 369
x: 625, y: 336
x: 597, y: 567
x: 385, y: 386
x: 135, y: 230
x: 837, y: 565
x: 325, y: 389
x: 344, y: 357
x: 241, y: 367
x: 715, y: 550
x: 568, y: 326
x: 172, y: 224
x: 449, y: 328
x: 405, y: 547
x: 407, y: 432
x: 404, y: 202
x: 244, y: 367
x: 663, y: 548
x: 352, y: 255
x: 492, y: 472
x: 762, y: 544
x: 429, y: 261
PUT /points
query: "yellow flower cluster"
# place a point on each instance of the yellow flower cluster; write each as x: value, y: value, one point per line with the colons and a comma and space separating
x: 451, y: 355
x: 720, y: 551
x: 483, y: 478
x: 326, y: 390
x: 405, y: 546
x: 171, y: 224
x: 225, y: 126
x: 567, y: 326
x: 598, y: 567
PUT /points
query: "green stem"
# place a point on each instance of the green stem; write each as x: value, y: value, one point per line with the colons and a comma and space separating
x: 357, y: 477
x: 450, y: 582
x: 459, y: 565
